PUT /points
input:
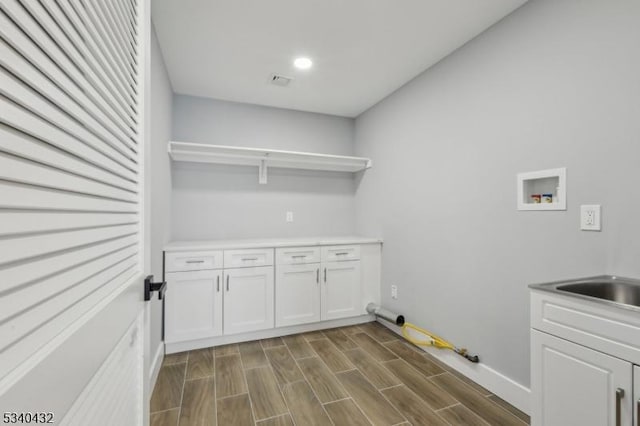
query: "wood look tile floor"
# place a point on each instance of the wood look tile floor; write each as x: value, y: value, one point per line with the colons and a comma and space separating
x: 350, y: 376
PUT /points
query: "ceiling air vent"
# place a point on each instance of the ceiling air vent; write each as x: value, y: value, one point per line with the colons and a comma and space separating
x: 280, y: 80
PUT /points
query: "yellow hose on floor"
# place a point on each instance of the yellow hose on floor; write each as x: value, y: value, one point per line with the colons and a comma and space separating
x: 434, y: 341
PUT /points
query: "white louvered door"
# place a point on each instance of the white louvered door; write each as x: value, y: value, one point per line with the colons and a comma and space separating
x: 73, y: 240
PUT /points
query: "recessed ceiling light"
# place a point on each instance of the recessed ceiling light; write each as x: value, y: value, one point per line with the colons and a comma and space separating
x: 303, y: 63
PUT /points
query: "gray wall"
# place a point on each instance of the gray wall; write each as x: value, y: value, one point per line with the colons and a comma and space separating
x: 219, y: 202
x: 555, y: 84
x: 161, y: 98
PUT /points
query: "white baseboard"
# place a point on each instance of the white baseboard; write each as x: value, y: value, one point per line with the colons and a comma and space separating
x: 155, y: 367
x: 174, y: 347
x: 511, y: 391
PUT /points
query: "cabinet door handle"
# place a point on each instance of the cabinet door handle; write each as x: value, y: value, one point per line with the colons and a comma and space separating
x: 343, y: 253
x: 218, y: 283
x: 638, y: 412
x: 325, y: 275
x: 299, y: 256
x: 318, y: 276
x: 227, y: 282
x: 194, y: 261
x: 619, y: 396
x: 246, y: 259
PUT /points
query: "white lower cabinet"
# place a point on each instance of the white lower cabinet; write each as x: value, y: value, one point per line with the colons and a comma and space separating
x: 584, y: 362
x: 297, y: 294
x: 318, y: 292
x: 203, y: 304
x: 213, y: 295
x: 248, y: 299
x: 311, y: 291
x: 636, y: 395
x: 575, y: 385
x: 341, y: 295
x: 193, y: 305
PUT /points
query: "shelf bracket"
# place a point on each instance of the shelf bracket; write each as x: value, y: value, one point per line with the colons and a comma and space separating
x: 262, y: 172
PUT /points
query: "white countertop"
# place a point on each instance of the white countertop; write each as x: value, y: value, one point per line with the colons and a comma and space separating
x: 205, y: 245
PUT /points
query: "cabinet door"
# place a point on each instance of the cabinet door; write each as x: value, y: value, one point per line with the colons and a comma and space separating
x: 193, y: 305
x: 575, y: 385
x: 341, y: 295
x: 248, y: 299
x: 636, y: 395
x: 297, y: 294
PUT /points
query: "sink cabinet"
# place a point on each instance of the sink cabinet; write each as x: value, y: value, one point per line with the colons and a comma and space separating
x: 584, y: 362
x: 636, y: 395
x: 575, y: 385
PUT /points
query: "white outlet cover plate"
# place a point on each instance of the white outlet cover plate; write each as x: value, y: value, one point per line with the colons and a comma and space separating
x: 585, y: 211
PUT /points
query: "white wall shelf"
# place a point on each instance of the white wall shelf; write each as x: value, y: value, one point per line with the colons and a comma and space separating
x: 264, y: 158
x: 551, y: 181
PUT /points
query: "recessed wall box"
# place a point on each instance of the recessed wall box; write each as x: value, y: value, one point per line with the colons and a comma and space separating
x: 543, y: 190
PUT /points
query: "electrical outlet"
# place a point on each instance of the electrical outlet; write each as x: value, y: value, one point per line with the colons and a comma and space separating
x: 394, y: 291
x: 590, y: 217
x: 289, y: 216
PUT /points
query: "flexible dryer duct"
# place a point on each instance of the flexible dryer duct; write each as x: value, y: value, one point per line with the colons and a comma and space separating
x: 432, y: 339
x: 381, y: 312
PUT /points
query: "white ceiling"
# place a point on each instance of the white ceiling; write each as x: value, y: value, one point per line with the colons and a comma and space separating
x: 362, y: 49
